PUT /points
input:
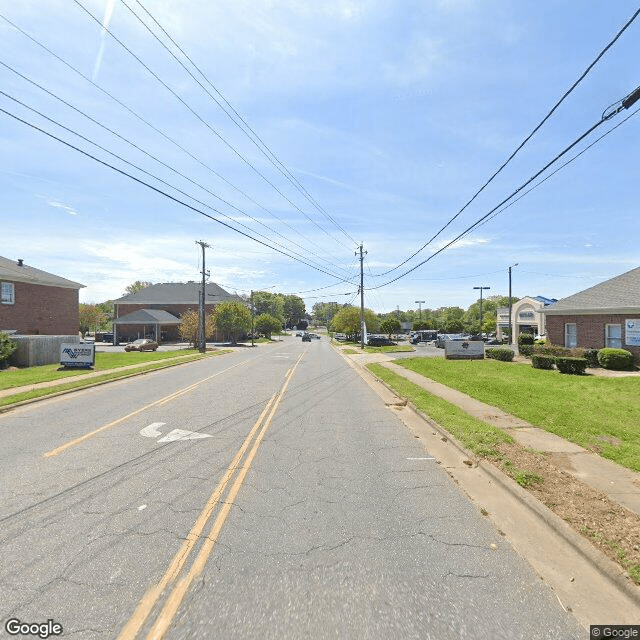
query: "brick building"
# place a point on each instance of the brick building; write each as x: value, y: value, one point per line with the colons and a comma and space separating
x: 35, y: 302
x: 606, y: 315
x: 154, y: 312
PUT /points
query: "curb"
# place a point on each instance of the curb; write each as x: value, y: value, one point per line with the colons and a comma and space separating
x: 615, y: 574
x: 64, y: 392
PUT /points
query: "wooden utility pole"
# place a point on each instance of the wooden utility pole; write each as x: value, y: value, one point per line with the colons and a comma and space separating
x: 202, y: 334
x: 361, y: 296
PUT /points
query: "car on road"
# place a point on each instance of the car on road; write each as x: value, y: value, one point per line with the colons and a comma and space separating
x: 306, y: 337
x: 142, y: 344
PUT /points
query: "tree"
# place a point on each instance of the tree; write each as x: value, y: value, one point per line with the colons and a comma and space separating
x: 7, y: 347
x: 90, y: 316
x: 324, y: 312
x: 347, y: 321
x: 294, y: 310
x: 138, y: 285
x: 389, y: 326
x: 190, y: 327
x: 266, y: 325
x: 267, y: 302
x: 232, y: 319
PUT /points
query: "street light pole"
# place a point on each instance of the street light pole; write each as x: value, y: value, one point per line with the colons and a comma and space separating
x: 481, y: 290
x: 510, y: 305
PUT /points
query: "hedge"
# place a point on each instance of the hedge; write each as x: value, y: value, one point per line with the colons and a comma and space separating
x: 575, y: 366
x: 541, y: 361
x: 617, y: 359
x: 499, y: 353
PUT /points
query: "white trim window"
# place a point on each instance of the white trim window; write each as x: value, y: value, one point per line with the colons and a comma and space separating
x: 7, y: 293
x: 570, y: 335
x: 613, y: 336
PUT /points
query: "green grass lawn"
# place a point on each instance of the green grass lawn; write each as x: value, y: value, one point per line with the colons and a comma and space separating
x: 104, y: 361
x: 473, y: 434
x: 592, y: 411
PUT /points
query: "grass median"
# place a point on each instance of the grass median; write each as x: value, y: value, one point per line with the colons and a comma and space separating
x: 598, y: 413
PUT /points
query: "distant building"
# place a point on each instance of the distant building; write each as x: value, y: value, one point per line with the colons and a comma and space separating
x: 526, y: 317
x: 35, y: 302
x: 155, y: 312
x: 606, y: 315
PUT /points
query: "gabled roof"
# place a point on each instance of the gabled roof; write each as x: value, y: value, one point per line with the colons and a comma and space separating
x: 618, y: 295
x: 177, y: 293
x: 15, y: 271
x: 148, y: 316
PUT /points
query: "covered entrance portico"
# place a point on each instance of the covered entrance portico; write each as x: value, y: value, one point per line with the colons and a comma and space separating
x: 155, y: 324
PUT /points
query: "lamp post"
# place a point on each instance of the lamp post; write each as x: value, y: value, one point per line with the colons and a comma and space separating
x: 420, y: 303
x: 510, y: 305
x: 481, y: 290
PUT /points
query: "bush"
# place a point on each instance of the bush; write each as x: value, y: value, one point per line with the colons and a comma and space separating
x: 552, y: 350
x: 525, y: 344
x: 499, y: 353
x: 7, y: 347
x: 541, y: 361
x: 616, y: 359
x: 574, y: 366
x: 591, y: 356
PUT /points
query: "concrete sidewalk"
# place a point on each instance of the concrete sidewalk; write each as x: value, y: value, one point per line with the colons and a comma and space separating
x: 620, y: 484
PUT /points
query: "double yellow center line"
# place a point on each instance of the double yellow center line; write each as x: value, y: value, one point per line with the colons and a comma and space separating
x: 175, y: 578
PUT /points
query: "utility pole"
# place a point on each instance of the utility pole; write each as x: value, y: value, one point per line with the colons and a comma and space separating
x: 481, y: 290
x: 420, y: 303
x: 510, y: 305
x: 361, y: 296
x: 252, y: 314
x: 201, y: 329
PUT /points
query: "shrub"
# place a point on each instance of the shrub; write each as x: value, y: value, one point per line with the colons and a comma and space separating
x: 552, y: 350
x: 575, y: 366
x: 541, y: 361
x: 525, y: 344
x: 617, y: 359
x: 499, y: 353
x: 7, y: 347
x: 591, y: 356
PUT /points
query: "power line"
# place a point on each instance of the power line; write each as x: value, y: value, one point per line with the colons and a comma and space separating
x: 207, y: 124
x: 138, y: 148
x: 167, y: 195
x: 153, y: 127
x: 521, y: 145
x: 522, y: 186
x: 246, y: 129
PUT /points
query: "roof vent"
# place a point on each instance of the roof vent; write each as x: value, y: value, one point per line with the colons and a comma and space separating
x: 20, y: 262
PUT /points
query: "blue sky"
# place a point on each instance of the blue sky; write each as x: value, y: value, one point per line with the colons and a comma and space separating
x: 390, y: 114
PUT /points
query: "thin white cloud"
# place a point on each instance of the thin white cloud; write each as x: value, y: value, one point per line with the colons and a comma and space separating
x: 108, y: 14
x: 65, y: 207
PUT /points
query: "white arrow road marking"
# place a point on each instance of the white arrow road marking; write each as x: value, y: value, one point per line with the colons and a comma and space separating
x: 181, y: 434
x: 177, y: 434
x: 152, y: 430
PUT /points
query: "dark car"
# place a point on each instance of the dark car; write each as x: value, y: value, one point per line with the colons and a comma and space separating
x: 306, y: 337
x: 142, y: 344
x: 377, y: 341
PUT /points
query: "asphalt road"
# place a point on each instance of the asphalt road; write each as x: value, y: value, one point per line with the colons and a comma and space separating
x: 305, y: 509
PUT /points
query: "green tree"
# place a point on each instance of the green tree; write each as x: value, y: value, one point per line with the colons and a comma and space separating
x: 270, y: 303
x: 389, y: 326
x: 7, y: 347
x: 347, y: 321
x: 190, y: 327
x: 324, y: 312
x: 138, y: 285
x: 294, y: 310
x: 90, y: 317
x: 266, y: 325
x: 232, y: 318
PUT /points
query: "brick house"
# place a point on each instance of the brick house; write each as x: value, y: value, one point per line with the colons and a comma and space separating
x: 35, y: 302
x: 606, y: 315
x: 155, y: 311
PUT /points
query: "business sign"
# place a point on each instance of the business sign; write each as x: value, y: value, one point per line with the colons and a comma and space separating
x: 464, y: 349
x: 632, y: 333
x: 77, y: 355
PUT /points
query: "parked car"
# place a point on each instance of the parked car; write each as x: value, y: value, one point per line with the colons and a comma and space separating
x: 444, y: 337
x: 306, y: 337
x: 377, y: 341
x: 142, y: 344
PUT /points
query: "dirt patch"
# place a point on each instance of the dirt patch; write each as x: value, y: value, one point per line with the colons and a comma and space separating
x: 612, y: 528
